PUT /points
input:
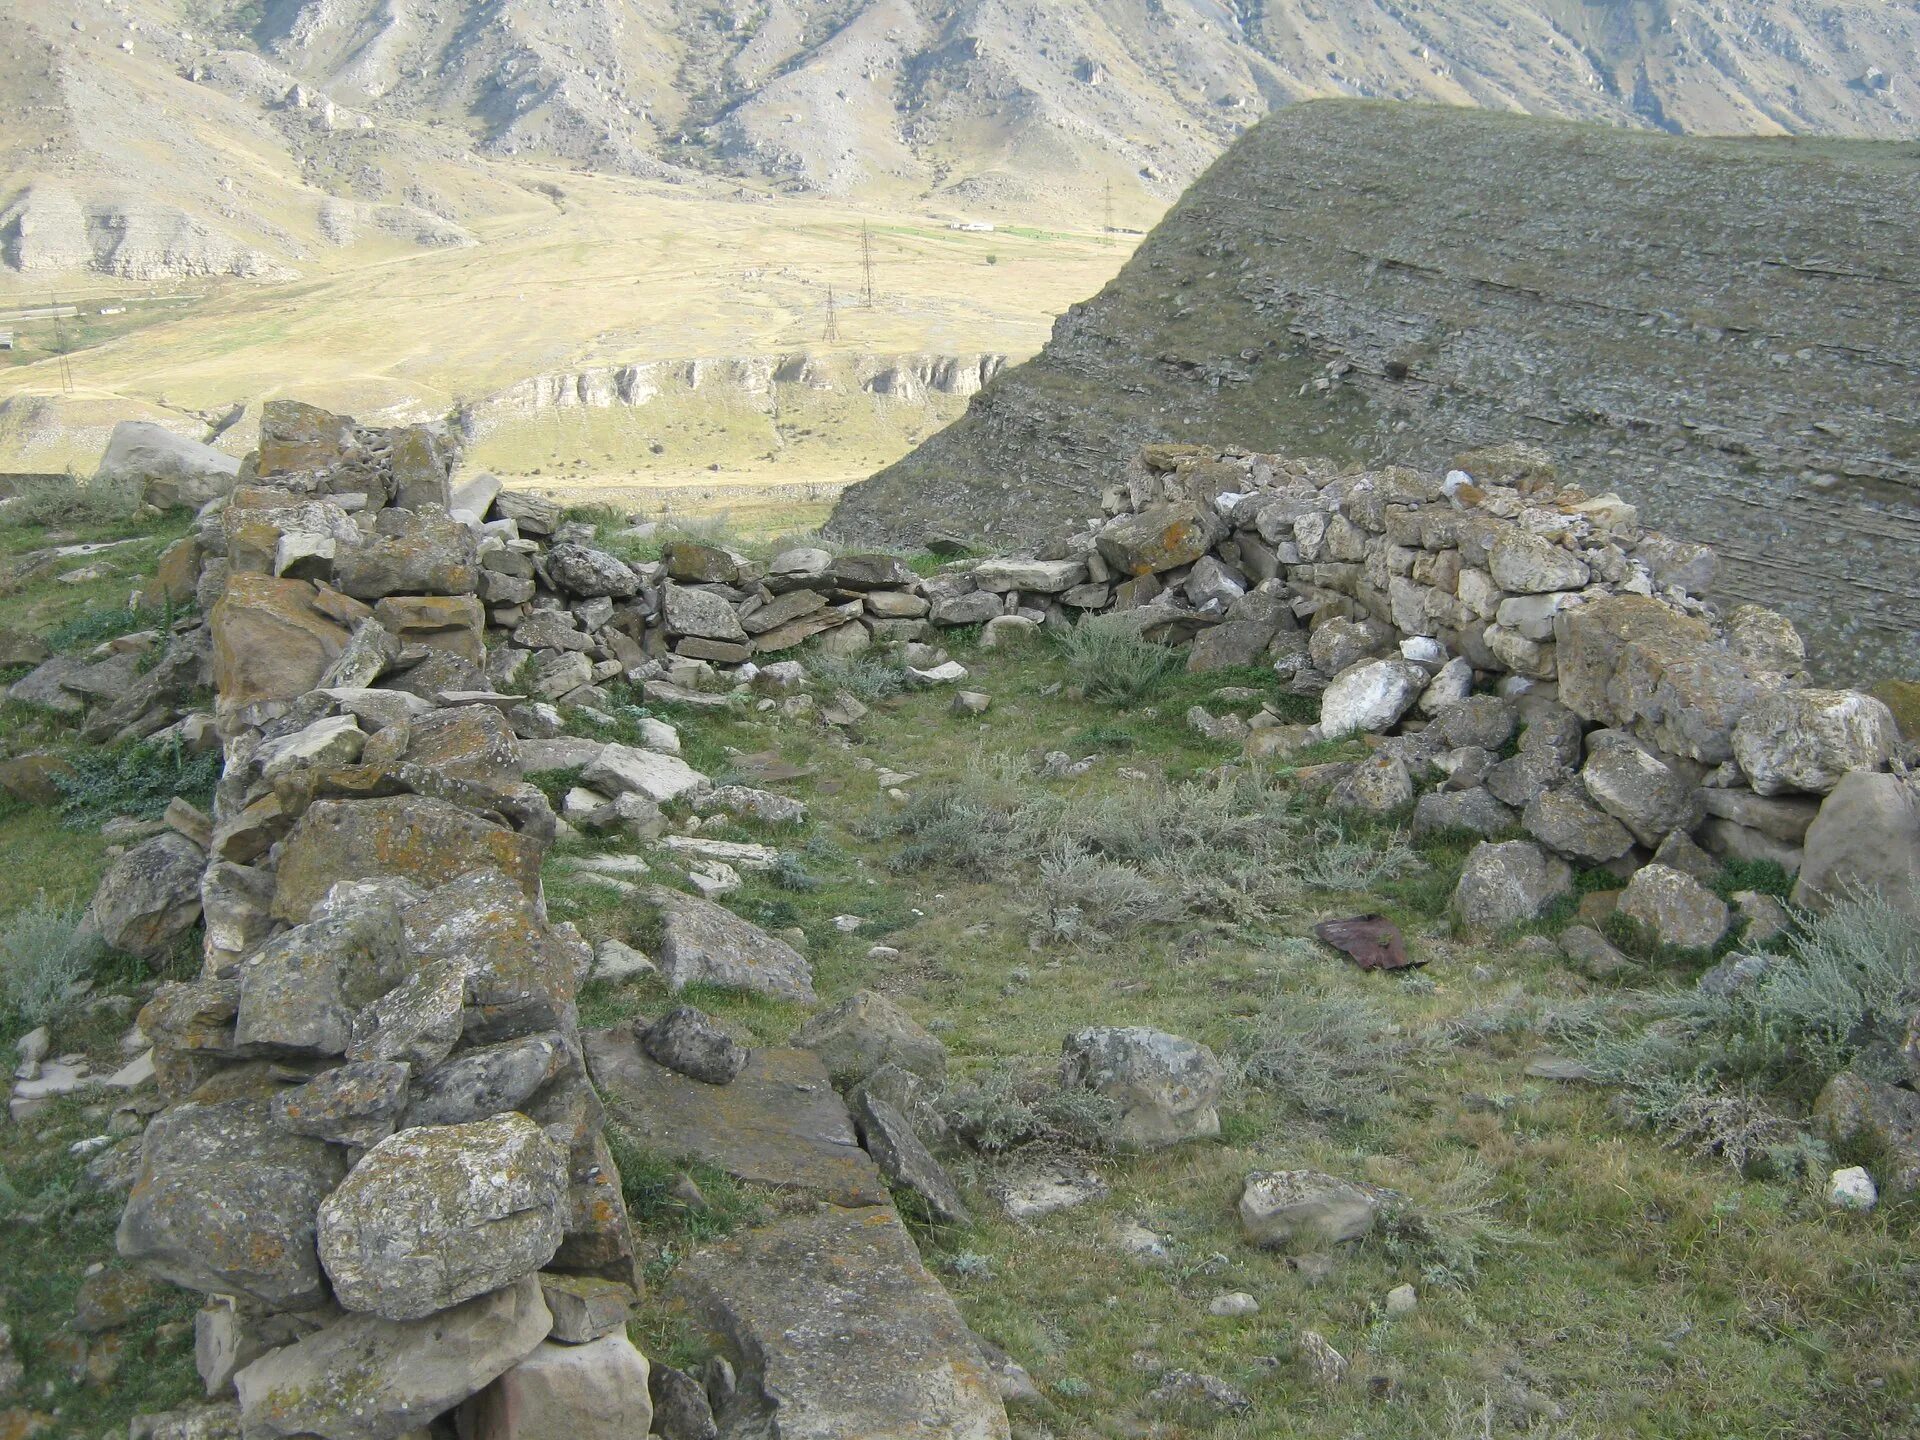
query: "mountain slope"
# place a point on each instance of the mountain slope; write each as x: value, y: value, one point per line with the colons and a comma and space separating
x: 149, y: 138
x: 1726, y: 331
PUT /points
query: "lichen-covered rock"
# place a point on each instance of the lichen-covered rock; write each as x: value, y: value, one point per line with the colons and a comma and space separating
x: 408, y: 837
x: 436, y: 1215
x: 583, y: 572
x: 149, y: 896
x: 427, y: 552
x: 270, y: 644
x: 354, y: 1104
x: 702, y: 943
x: 1676, y: 909
x: 1565, y: 823
x: 369, y: 1378
x: 1304, y: 1210
x: 1529, y: 565
x: 1805, y: 741
x: 902, y: 1157
x: 594, y: 1391
x: 450, y: 624
x: 622, y: 770
x: 520, y: 975
x: 171, y: 470
x: 1643, y: 793
x: 1166, y: 1087
x: 1508, y: 884
x: 1476, y: 810
x: 1377, y: 785
x: 585, y: 1307
x: 487, y: 1081
x: 225, y: 1203
x: 1855, y: 1108
x: 686, y: 1041
x: 418, y: 1022
x: 1156, y: 539
x: 699, y: 613
x: 299, y: 993
x: 868, y: 1030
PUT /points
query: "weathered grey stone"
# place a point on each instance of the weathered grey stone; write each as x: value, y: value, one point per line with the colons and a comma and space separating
x: 355, y: 1104
x: 976, y: 607
x: 692, y: 563
x: 700, y: 613
x: 585, y: 1307
x: 369, y: 1378
x: 171, y: 470
x: 797, y: 1305
x: 1508, y: 884
x: 1476, y: 810
x: 681, y: 1409
x: 1235, y: 643
x: 1591, y: 953
x: 1157, y: 539
x: 434, y: 1216
x: 425, y: 553
x: 621, y: 769
x: 1488, y: 721
x: 1528, y: 565
x: 1377, y: 785
x: 779, y: 1122
x: 408, y: 837
x: 871, y: 572
x: 149, y: 896
x: 480, y: 1083
x: 905, y: 1160
x: 1647, y: 796
x: 1370, y: 697
x: 1865, y: 840
x: 582, y: 571
x: 417, y: 1022
x: 1855, y: 1108
x: 1035, y: 577
x: 1341, y: 643
x: 228, y: 1337
x: 1784, y: 818
x: 1564, y: 822
x: 594, y: 1391
x: 868, y: 1030
x: 1166, y: 1087
x: 225, y: 1203
x: 1676, y: 909
x: 701, y: 943
x: 299, y: 992
x: 519, y: 975
x: 1805, y: 741
x: 686, y: 1041
x: 1304, y: 1210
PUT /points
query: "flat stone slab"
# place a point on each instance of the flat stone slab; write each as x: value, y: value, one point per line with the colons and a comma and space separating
x: 778, y: 1123
x: 840, y: 1333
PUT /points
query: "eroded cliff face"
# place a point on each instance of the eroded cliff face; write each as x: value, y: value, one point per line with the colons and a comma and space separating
x: 1725, y: 332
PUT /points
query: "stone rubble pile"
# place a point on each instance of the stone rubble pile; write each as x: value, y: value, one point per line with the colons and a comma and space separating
x: 379, y: 1148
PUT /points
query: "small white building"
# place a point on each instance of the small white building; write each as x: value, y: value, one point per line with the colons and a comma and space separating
x: 6, y: 339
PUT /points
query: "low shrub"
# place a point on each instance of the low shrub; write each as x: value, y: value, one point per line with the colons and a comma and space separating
x: 1109, y: 659
x: 46, y: 962
x: 1336, y: 1058
x: 134, y: 780
x: 1006, y: 1107
x: 865, y: 677
x: 69, y: 500
x: 106, y: 622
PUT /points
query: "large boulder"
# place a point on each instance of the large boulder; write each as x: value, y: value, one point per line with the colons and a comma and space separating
x: 623, y: 770
x: 225, y: 1203
x: 1565, y: 823
x: 436, y: 1215
x: 586, y: 573
x: 839, y: 1331
x: 1370, y: 698
x: 426, y: 553
x: 172, y: 471
x: 1508, y: 884
x: 1853, y: 1109
x: 595, y: 1391
x: 1635, y: 663
x: 1865, y: 840
x: 702, y: 943
x: 519, y: 975
x: 407, y: 837
x: 149, y: 897
x: 300, y: 991
x: 1807, y: 740
x: 1676, y: 909
x: 368, y: 1378
x: 486, y: 1081
x: 270, y: 643
x: 1528, y: 564
x: 1158, y: 538
x: 1166, y: 1088
x: 868, y: 1030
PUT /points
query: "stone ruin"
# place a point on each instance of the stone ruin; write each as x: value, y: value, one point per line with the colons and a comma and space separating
x: 380, y: 1146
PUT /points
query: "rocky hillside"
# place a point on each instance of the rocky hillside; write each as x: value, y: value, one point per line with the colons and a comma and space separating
x: 298, y: 125
x: 1723, y: 331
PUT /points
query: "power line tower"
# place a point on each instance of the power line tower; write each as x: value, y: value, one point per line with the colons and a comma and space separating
x: 866, y: 259
x: 833, y: 318
x: 60, y: 345
x: 1106, y: 216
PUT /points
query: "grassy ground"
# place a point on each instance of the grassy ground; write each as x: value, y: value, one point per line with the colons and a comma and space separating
x: 1576, y: 1277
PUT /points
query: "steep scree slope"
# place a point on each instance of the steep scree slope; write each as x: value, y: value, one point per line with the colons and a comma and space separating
x: 1726, y: 332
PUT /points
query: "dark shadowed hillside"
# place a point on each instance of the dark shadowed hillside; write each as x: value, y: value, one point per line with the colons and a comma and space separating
x: 1725, y: 331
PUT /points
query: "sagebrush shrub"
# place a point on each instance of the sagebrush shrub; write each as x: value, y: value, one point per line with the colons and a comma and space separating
x: 46, y: 961
x: 69, y: 500
x: 134, y: 780
x: 1109, y: 659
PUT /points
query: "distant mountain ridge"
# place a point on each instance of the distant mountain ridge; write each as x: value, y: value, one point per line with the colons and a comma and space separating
x: 245, y: 137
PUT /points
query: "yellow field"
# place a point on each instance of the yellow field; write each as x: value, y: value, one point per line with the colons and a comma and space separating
x: 580, y: 272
